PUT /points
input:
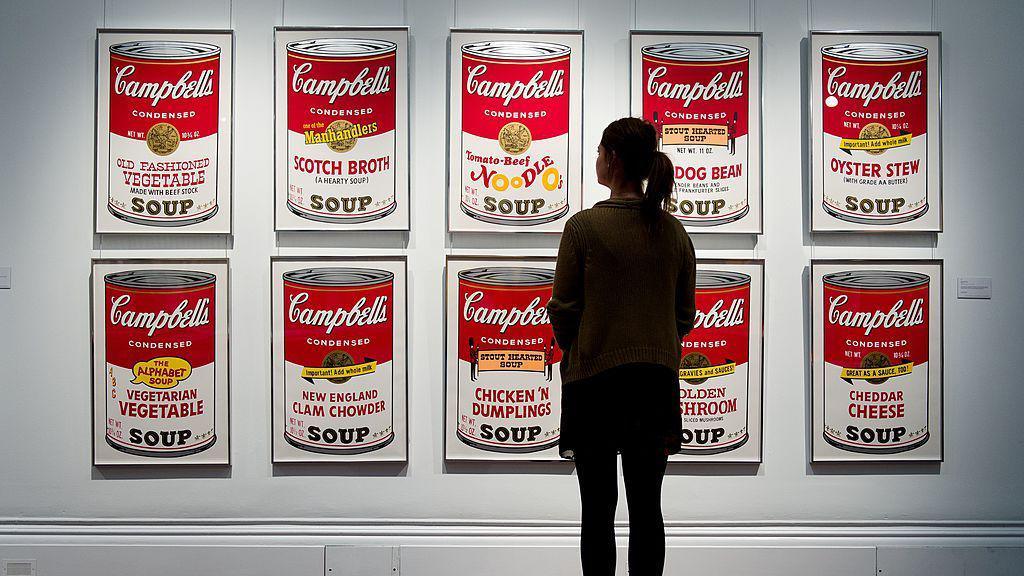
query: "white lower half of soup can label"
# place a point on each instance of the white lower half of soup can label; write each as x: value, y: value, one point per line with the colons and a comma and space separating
x: 353, y: 416
x: 886, y: 187
x: 508, y: 410
x: 172, y: 190
x: 889, y: 416
x: 714, y: 410
x: 344, y: 181
x: 173, y: 421
x: 711, y: 182
x: 526, y: 189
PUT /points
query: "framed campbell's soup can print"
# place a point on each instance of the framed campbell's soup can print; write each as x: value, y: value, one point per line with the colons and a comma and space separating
x: 721, y: 365
x: 503, y: 388
x: 876, y: 142
x: 515, y: 123
x: 341, y: 133
x: 877, y: 360
x: 702, y: 92
x: 339, y: 359
x: 164, y: 104
x: 160, y: 361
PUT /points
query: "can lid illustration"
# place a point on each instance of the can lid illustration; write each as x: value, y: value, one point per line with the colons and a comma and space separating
x: 164, y: 49
x: 509, y: 276
x: 157, y: 279
x: 695, y: 51
x: 342, y: 47
x: 876, y: 279
x: 516, y: 50
x: 338, y: 276
x: 874, y: 51
x: 720, y: 279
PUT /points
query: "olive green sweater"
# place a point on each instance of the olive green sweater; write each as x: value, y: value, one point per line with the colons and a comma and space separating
x: 623, y: 293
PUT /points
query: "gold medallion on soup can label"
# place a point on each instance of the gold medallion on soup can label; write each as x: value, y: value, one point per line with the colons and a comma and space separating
x: 874, y: 110
x: 515, y: 138
x: 163, y: 143
x: 346, y: 141
x: 163, y: 139
x: 341, y: 118
x: 515, y: 131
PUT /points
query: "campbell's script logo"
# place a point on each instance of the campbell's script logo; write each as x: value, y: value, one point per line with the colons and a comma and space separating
x: 183, y: 315
x: 359, y: 314
x: 895, y: 89
x: 717, y: 88
x: 364, y: 84
x: 536, y: 87
x: 184, y: 87
x: 719, y: 316
x: 534, y: 314
x: 896, y: 317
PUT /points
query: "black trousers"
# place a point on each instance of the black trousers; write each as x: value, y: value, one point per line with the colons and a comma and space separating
x: 643, y: 469
x: 633, y: 410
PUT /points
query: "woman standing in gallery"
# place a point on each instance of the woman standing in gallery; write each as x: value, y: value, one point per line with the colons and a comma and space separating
x: 623, y: 299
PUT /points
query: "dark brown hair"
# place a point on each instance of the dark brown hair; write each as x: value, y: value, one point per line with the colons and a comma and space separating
x: 635, y: 143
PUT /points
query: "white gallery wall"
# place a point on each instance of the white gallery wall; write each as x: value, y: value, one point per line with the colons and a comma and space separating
x: 47, y: 79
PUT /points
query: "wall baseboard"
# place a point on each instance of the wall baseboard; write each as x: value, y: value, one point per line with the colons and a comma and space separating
x: 406, y: 530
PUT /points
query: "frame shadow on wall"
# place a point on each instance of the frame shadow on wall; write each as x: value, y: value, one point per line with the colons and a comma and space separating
x: 157, y: 472
x: 349, y: 469
x: 333, y: 239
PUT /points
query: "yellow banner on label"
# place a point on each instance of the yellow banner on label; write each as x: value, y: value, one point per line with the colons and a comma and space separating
x: 514, y: 360
x: 340, y: 371
x: 875, y: 143
x: 698, y: 134
x: 872, y: 373
x: 161, y: 373
x: 707, y: 371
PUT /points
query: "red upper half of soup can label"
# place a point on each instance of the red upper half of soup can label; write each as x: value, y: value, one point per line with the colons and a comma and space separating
x: 349, y: 79
x: 874, y: 83
x: 154, y: 81
x: 160, y: 313
x: 721, y: 328
x: 869, y: 311
x: 347, y: 309
x: 697, y: 83
x: 515, y: 81
x: 504, y: 308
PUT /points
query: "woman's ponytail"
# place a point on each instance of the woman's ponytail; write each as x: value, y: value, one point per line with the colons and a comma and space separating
x: 660, y: 185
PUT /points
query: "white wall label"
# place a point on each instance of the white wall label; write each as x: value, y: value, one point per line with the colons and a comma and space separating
x: 971, y: 287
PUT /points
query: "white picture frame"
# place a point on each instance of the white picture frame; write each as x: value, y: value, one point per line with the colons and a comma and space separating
x: 729, y: 164
x: 857, y: 415
x: 532, y: 182
x: 372, y: 190
x: 881, y: 189
x: 533, y: 437
x: 163, y: 157
x: 143, y: 411
x: 374, y: 407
